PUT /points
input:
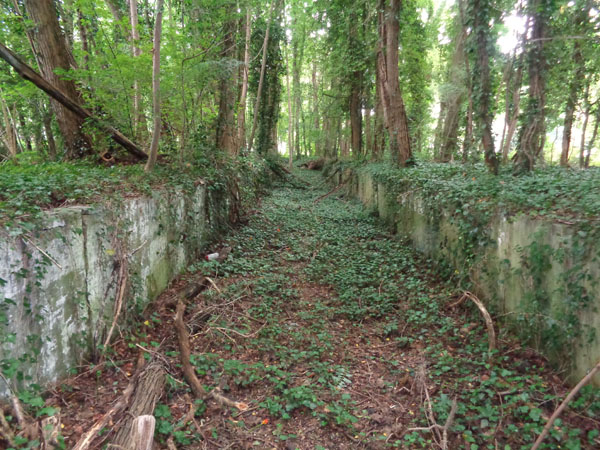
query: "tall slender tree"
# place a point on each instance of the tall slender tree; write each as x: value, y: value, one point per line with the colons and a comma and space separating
x: 54, y: 60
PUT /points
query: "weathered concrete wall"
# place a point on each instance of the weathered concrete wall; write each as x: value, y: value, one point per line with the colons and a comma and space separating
x: 502, y: 276
x: 59, y: 311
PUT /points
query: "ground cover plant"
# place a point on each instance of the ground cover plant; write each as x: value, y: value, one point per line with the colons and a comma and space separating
x: 334, y: 336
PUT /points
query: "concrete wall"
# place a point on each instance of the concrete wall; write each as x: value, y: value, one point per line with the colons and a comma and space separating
x: 59, y: 311
x: 501, y: 275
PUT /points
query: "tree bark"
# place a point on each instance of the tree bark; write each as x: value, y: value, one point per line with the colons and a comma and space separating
x: 290, y: 141
x: 393, y: 105
x: 155, y: 88
x: 532, y: 133
x: 226, y: 118
x: 355, y: 90
x: 54, y: 55
x: 147, y: 392
x: 592, y: 139
x: 10, y: 134
x: 574, y: 88
x: 378, y: 135
x: 511, y: 119
x: 298, y: 57
x: 241, y: 117
x: 138, y: 121
x: 47, y: 119
x: 316, y: 131
x: 484, y: 117
x: 448, y: 139
x: 262, y: 75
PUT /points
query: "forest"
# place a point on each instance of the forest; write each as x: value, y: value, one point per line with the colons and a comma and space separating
x: 506, y: 83
x: 174, y: 273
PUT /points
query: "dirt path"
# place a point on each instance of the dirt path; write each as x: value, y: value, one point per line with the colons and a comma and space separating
x: 337, y: 337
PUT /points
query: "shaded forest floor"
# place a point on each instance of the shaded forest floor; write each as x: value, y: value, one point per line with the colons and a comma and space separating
x: 336, y: 336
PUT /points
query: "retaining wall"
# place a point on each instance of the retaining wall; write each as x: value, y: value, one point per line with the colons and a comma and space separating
x: 502, y: 275
x: 59, y: 305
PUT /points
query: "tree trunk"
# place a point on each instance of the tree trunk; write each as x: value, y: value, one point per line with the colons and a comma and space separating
x: 290, y: 141
x: 368, y: 132
x: 355, y: 90
x: 586, y: 118
x: 53, y: 55
x: 378, y: 136
x: 262, y: 75
x: 574, y: 89
x: 511, y: 120
x: 152, y: 156
x: 10, y: 133
x: 448, y: 135
x: 532, y: 133
x: 148, y: 390
x: 317, y: 134
x: 138, y: 121
x: 298, y: 57
x: 25, y: 135
x: 241, y: 118
x: 481, y: 20
x: 593, y: 138
x: 114, y: 10
x: 226, y: 118
x: 393, y: 105
x: 47, y: 119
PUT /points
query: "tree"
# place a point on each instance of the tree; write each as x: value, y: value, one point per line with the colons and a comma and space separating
x: 54, y: 62
x: 479, y: 12
x: 391, y: 98
x: 532, y: 133
x: 152, y: 156
x: 226, y: 119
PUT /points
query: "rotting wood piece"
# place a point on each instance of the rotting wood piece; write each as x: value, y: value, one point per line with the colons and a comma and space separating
x: 148, y: 391
x: 86, y: 440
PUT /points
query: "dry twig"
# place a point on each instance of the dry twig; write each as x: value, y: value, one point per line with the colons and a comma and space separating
x: 564, y: 404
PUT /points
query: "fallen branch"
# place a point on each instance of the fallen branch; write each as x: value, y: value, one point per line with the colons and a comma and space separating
x: 188, y: 370
x: 329, y: 193
x: 28, y: 239
x: 148, y: 390
x: 123, y: 277
x: 564, y: 404
x: 448, y: 424
x: 484, y: 312
x: 86, y: 440
x: 29, y: 74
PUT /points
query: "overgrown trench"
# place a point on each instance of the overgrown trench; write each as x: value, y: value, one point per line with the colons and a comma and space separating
x: 335, y: 335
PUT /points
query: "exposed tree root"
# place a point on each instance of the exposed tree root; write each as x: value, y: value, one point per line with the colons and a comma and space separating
x: 484, y: 312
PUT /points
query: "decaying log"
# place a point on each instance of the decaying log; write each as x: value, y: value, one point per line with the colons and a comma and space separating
x: 148, y: 391
x: 144, y: 432
x: 86, y: 440
x: 31, y: 75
